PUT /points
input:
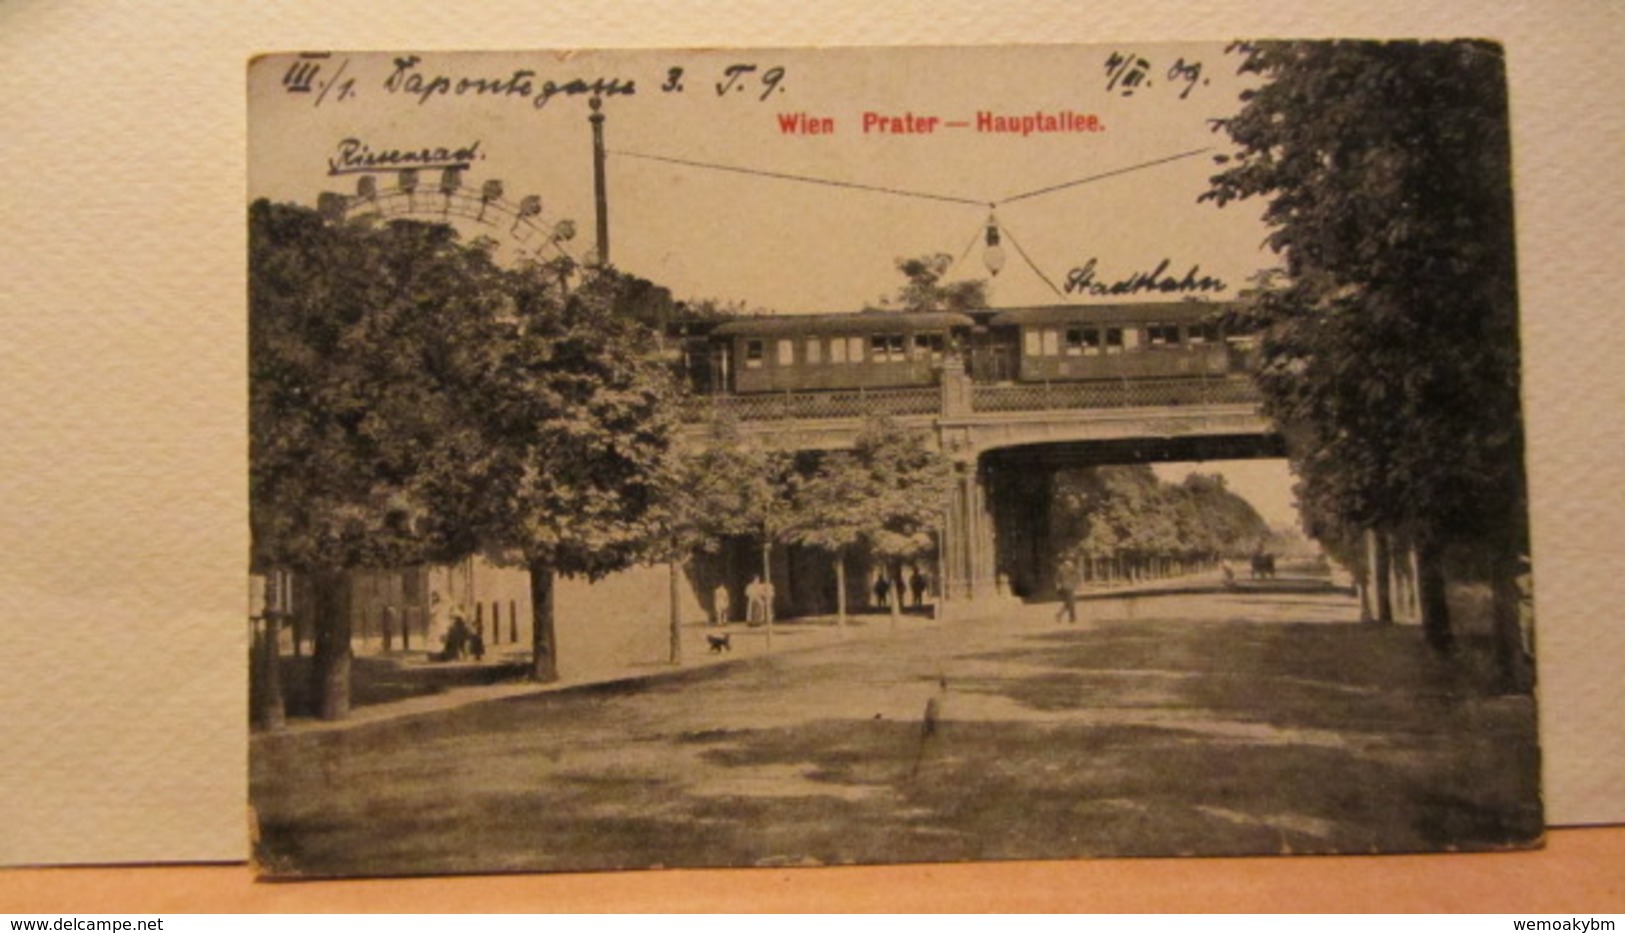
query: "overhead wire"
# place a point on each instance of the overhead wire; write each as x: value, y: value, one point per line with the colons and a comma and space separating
x: 1029, y: 260
x: 808, y: 179
x: 1083, y: 181
x: 923, y: 195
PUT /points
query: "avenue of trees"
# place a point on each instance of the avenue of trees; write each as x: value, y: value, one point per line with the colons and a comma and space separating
x: 1123, y: 523
x: 412, y: 401
x: 1389, y: 337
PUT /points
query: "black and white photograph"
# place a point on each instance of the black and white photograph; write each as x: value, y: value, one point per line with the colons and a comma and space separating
x: 804, y: 457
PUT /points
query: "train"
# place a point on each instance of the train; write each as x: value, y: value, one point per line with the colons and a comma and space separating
x: 888, y: 350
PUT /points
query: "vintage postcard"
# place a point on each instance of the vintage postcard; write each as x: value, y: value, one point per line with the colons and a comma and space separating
x: 787, y: 457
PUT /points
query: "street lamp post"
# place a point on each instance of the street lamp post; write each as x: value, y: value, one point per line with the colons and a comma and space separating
x: 600, y: 192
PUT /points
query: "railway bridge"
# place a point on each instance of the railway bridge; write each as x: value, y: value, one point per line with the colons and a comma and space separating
x: 1007, y: 441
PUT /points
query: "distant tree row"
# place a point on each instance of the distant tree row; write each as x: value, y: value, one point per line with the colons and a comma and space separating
x: 1123, y: 523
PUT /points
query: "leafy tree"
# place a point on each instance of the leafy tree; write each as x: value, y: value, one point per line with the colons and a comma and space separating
x: 363, y: 343
x: 887, y: 493
x: 708, y: 495
x: 1389, y: 350
x: 411, y: 400
x: 833, y: 511
x: 927, y: 290
x: 567, y: 441
x: 732, y: 487
x: 765, y: 476
x: 911, y: 480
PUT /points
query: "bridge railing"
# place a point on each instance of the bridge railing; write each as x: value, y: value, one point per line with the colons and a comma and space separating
x: 1135, y: 393
x: 927, y: 400
x: 847, y: 403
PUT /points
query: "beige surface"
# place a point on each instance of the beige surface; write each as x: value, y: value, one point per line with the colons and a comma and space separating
x: 122, y: 492
x: 1577, y: 874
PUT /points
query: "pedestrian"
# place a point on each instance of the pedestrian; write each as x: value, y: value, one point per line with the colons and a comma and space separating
x: 1066, y: 582
x: 455, y: 639
x: 721, y: 604
x: 882, y: 590
x: 754, y: 613
x: 916, y: 584
x: 476, y: 640
x: 767, y: 601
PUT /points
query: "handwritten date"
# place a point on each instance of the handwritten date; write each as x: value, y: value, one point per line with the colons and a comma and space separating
x: 1127, y: 73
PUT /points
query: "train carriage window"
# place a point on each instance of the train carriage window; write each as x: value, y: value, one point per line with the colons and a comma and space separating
x: 854, y: 349
x: 1115, y: 339
x: 1033, y: 342
x: 1199, y: 334
x: 837, y: 350
x: 1162, y: 335
x: 1083, y: 341
x: 815, y: 351
x: 928, y: 346
x: 886, y: 348
x: 1052, y: 342
x: 754, y: 351
x: 787, y: 353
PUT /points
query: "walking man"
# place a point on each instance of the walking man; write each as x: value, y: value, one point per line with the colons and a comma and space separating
x: 916, y: 584
x: 1066, y: 582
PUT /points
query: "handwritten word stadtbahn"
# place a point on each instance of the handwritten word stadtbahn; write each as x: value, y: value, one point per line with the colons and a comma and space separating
x: 1081, y: 281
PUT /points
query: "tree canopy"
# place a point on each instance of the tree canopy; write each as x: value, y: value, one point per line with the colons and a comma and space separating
x: 364, y: 344
x: 411, y: 400
x: 926, y: 287
x: 1127, y: 513
x: 887, y: 494
x: 1390, y: 351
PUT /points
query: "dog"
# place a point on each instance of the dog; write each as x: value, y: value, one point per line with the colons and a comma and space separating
x: 719, y: 643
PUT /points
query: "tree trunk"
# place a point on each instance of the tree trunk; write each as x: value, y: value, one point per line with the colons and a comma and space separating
x: 1434, y: 597
x: 269, y: 712
x: 676, y: 591
x: 302, y: 608
x: 840, y: 590
x: 1383, y: 569
x: 896, y: 600
x: 330, y: 672
x: 767, y: 580
x: 1362, y: 580
x: 544, y: 659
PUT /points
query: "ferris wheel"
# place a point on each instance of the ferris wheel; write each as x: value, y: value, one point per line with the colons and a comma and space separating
x: 522, y: 225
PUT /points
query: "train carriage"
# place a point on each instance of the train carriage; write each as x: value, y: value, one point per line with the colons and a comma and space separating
x: 836, y: 351
x: 1139, y: 341
x: 1046, y: 344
